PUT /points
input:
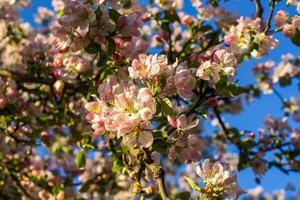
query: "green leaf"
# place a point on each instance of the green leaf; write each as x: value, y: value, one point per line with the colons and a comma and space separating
x: 117, y: 166
x: 195, y: 186
x: 204, y: 115
x: 86, y: 134
x: 127, y: 4
x: 92, y: 48
x: 234, y: 89
x: 111, y: 46
x: 160, y: 134
x: 80, y: 160
x: 114, y: 15
x: 160, y: 146
x: 296, y: 38
x: 183, y: 195
x: 57, y: 189
x: 165, y: 25
x: 166, y: 106
x: 222, y: 83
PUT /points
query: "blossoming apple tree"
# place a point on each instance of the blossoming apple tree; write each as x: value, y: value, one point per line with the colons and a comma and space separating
x: 107, y: 99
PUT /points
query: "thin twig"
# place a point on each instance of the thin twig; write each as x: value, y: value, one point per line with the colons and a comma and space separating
x: 268, y: 24
x: 259, y: 9
x: 162, y: 188
x: 279, y: 96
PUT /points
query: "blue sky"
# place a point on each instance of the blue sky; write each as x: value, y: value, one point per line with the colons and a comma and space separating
x: 254, y: 114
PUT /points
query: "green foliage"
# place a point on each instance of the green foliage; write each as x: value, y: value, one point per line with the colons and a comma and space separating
x: 80, y: 160
x: 296, y: 38
x: 92, y: 48
x: 183, y: 196
x: 195, y: 186
x: 166, y: 106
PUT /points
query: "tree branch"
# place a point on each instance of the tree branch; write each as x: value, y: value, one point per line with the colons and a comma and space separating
x: 159, y: 174
x: 162, y: 188
x: 25, y: 78
x: 259, y: 9
x: 268, y: 24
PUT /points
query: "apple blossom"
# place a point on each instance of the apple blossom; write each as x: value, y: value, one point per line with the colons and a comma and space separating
x: 218, y: 180
x: 289, y: 30
x: 106, y: 99
x: 280, y: 18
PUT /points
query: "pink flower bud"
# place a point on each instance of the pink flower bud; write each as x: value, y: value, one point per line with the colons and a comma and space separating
x: 212, y: 102
x: 186, y: 20
x: 296, y: 21
x: 60, y: 196
x: 58, y: 62
x: 280, y: 18
x: 58, y: 86
x: 289, y: 30
x: 3, y: 103
x: 82, y: 66
x: 172, y: 121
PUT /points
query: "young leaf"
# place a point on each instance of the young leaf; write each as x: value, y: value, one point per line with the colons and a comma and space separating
x: 183, y: 196
x: 80, y: 160
x: 166, y: 105
x: 296, y: 38
x: 195, y: 186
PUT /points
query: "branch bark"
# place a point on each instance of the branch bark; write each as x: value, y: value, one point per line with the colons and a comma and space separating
x: 268, y: 24
x: 159, y: 174
x: 259, y: 9
x: 162, y: 188
x: 25, y: 78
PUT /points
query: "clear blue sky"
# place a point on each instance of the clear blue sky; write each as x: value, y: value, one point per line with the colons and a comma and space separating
x: 253, y: 116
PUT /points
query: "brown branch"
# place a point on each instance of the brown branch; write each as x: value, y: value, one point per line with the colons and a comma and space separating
x: 162, y: 188
x: 159, y: 174
x: 26, y: 78
x: 221, y: 122
x: 259, y: 9
x: 268, y: 24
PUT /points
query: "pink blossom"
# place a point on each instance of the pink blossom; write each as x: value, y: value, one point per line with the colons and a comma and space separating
x: 280, y: 18
x: 289, y: 30
x: 181, y: 123
x: 209, y: 70
x: 185, y: 83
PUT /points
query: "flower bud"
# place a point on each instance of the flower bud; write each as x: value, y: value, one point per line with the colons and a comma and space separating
x: 58, y: 86
x: 289, y: 30
x: 280, y: 18
x: 296, y: 21
x: 212, y: 102
x: 3, y: 103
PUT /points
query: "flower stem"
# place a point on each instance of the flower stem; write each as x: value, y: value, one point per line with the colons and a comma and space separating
x: 162, y: 188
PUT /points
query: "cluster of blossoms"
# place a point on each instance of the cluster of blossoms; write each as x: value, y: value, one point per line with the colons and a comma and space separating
x: 223, y: 18
x: 168, y: 5
x: 82, y: 23
x: 149, y: 108
x: 188, y: 148
x: 268, y: 75
x: 289, y: 192
x: 155, y: 70
x: 8, y: 93
x: 178, y: 37
x: 247, y: 37
x: 67, y: 67
x: 281, y: 20
x: 43, y: 16
x: 98, y: 170
x: 295, y: 3
x: 222, y: 63
x: 275, y: 130
x: 123, y: 110
x: 293, y: 108
x: 219, y: 183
